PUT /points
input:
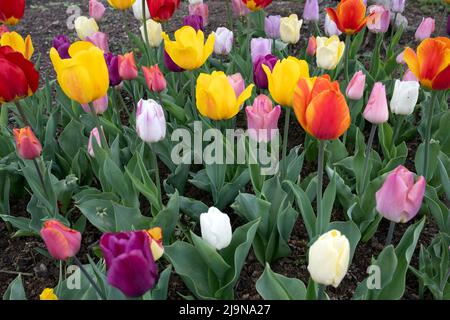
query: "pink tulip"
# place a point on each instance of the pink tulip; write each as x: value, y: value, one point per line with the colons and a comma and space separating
x: 425, y: 29
x: 200, y: 9
x: 409, y: 76
x: 237, y: 82
x: 239, y: 8
x: 100, y: 40
x: 61, y: 241
x: 96, y: 9
x: 376, y: 110
x: 94, y: 135
x: 399, y: 199
x: 400, y: 58
x: 127, y: 66
x: 312, y: 46
x: 355, y: 88
x: 262, y: 119
x: 154, y: 78
x: 100, y: 105
x: 378, y: 19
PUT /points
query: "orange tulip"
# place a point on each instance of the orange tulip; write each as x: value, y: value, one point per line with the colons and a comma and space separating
x: 320, y: 107
x: 28, y: 146
x: 349, y: 16
x: 431, y: 64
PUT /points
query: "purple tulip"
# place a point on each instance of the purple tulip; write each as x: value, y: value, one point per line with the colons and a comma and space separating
x: 195, y: 21
x: 272, y: 26
x: 259, y: 76
x: 131, y: 267
x: 311, y: 11
x: 62, y: 43
x: 260, y: 47
x: 113, y: 68
x: 170, y: 64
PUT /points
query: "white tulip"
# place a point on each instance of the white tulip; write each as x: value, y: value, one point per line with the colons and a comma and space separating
x: 137, y: 10
x: 150, y: 121
x: 290, y: 29
x: 216, y: 228
x: 154, y: 31
x: 85, y: 27
x: 224, y: 41
x: 405, y: 96
x: 330, y: 27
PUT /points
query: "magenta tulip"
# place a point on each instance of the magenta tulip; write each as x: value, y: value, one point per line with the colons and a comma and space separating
x: 259, y: 75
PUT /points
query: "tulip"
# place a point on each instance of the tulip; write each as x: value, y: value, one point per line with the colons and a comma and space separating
x: 262, y: 119
x: 84, y: 77
x: 200, y: 9
x: 216, y: 228
x: 290, y: 29
x: 162, y: 10
x: 150, y: 121
x: 100, y: 40
x: 17, y: 43
x: 11, y: 11
x: 156, y: 246
x: 154, y: 31
x: 312, y: 46
x: 62, y: 242
x: 378, y: 19
x: 237, y: 82
x: 320, y: 107
x: 239, y: 8
x: 260, y: 47
x: 85, y: 27
x: 62, y: 43
x: 425, y: 29
x: 131, y: 267
x: 137, y: 10
x: 48, y: 294
x: 27, y: 145
x: 154, y: 78
x: 100, y: 105
x: 330, y: 27
x: 216, y: 98
x: 355, y: 88
x: 272, y: 26
x: 405, y: 96
x: 398, y: 6
x: 170, y: 64
x: 194, y: 21
x: 127, y: 66
x: 376, y: 111
x: 329, y: 52
x: 284, y: 77
x: 19, y: 76
x: 409, y: 76
x: 96, y: 10
x: 431, y: 64
x: 3, y: 29
x: 255, y: 5
x: 112, y: 63
x: 399, y: 199
x: 224, y: 41
x: 311, y: 11
x: 259, y: 75
x: 95, y: 134
x: 400, y: 58
x: 349, y: 16
x: 121, y: 4
x: 328, y: 258
x: 188, y: 50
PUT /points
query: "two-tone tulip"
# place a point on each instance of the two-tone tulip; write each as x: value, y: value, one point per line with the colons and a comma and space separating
x: 349, y: 16
x: 17, y: 43
x: 27, y: 145
x: 255, y: 5
x: 61, y: 242
x: 154, y: 78
x: 378, y: 19
x: 11, y: 11
x: 156, y: 245
x: 150, y: 121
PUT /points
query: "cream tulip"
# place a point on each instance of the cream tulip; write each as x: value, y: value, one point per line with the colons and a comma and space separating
x: 329, y: 52
x: 154, y: 30
x: 290, y: 29
x: 85, y: 27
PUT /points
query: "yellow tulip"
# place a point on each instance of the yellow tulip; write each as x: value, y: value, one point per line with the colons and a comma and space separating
x: 284, y: 77
x: 216, y: 98
x: 154, y: 31
x: 84, y: 77
x: 48, y: 294
x: 121, y: 4
x: 290, y: 29
x: 17, y: 43
x: 329, y: 52
x: 188, y: 50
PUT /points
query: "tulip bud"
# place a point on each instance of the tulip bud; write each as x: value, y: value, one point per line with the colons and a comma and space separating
x: 329, y: 52
x: 94, y: 135
x: 127, y: 66
x: 399, y: 199
x: 216, y: 228
x: 330, y: 27
x: 409, y: 76
x: 154, y: 30
x: 85, y: 27
x: 262, y: 119
x: 290, y: 29
x: 376, y: 110
x: 100, y: 105
x: 328, y: 258
x: 154, y: 78
x: 405, y: 96
x: 200, y: 9
x: 27, y: 145
x: 400, y: 58
x: 195, y: 21
x: 239, y: 8
x: 260, y: 47
x: 378, y: 19
x: 61, y: 43
x: 425, y: 29
x: 150, y: 121
x: 100, y: 40
x: 137, y: 10
x: 61, y: 241
x: 398, y: 6
x: 96, y: 10
x: 112, y: 63
x: 355, y: 88
x: 311, y: 11
x: 237, y: 82
x: 224, y: 41
x: 156, y: 246
x: 272, y: 26
x: 312, y: 46
x: 48, y: 294
x: 259, y: 75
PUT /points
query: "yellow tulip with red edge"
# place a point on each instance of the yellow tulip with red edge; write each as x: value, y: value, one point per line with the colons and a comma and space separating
x: 17, y: 43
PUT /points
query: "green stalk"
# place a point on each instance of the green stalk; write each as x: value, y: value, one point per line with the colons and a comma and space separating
x: 346, y: 59
x: 157, y: 177
x: 285, y: 139
x: 373, y: 130
x: 397, y: 126
x: 434, y: 99
x: 3, y: 115
x: 229, y: 17
x: 40, y: 175
x: 390, y: 234
x: 320, y: 183
x: 22, y: 114
x: 88, y: 276
x: 321, y: 292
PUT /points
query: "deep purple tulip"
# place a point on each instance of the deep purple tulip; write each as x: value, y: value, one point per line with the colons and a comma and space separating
x: 130, y: 263
x: 113, y: 68
x: 170, y: 64
x: 62, y: 43
x: 195, y: 21
x: 259, y: 76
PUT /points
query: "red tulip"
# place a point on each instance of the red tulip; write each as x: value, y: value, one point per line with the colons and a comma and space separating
x: 162, y: 10
x: 127, y: 66
x: 154, y: 78
x: 61, y: 241
x: 28, y: 146
x: 11, y: 11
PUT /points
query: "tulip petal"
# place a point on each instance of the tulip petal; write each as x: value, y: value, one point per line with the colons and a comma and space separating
x: 434, y: 57
x: 244, y: 95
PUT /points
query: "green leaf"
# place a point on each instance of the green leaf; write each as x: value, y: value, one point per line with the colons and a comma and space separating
x: 168, y: 218
x: 15, y: 290
x: 351, y: 232
x: 273, y: 286
x: 129, y: 219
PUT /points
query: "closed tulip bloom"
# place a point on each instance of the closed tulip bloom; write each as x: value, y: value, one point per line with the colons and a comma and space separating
x: 262, y: 119
x: 137, y: 10
x: 312, y: 46
x: 200, y: 9
x: 259, y: 75
x: 154, y: 78
x: 19, y: 76
x: 112, y: 63
x: 48, y: 294
x: 409, y: 76
x: 216, y: 98
x: 311, y: 10
x: 195, y: 21
x: 330, y: 27
x: 425, y: 29
x: 17, y: 43
x: 11, y: 11
x: 349, y: 16
x: 376, y: 111
x: 62, y: 43
x: 329, y: 52
x: 355, y: 88
x: 127, y: 66
x: 216, y: 228
x: 405, y: 96
x: 284, y: 77
x: 255, y: 5
x: 431, y: 64
x: 237, y: 82
x: 260, y: 47
x: 100, y: 105
x: 328, y: 258
x: 154, y: 30
x: 94, y: 135
x: 121, y: 4
x: 100, y: 40
x: 320, y: 107
x: 85, y: 27
x: 400, y: 59
x: 224, y: 41
x: 398, y: 6
x: 162, y: 10
x: 239, y: 8
x: 96, y: 10
x: 272, y: 26
x: 27, y: 145
x: 170, y: 64
x: 131, y: 267
x: 189, y: 51
x: 400, y: 199
x: 156, y: 245
x: 84, y: 77
x: 290, y: 29
x: 378, y: 19
x: 61, y: 241
x: 150, y: 121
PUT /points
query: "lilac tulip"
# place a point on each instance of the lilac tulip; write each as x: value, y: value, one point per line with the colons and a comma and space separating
x: 398, y: 6
x: 237, y: 82
x: 379, y: 19
x: 259, y: 76
x: 260, y: 47
x: 100, y: 40
x: 62, y: 43
x: 112, y: 62
x: 239, y: 8
x: 409, y: 76
x: 425, y: 29
x: 272, y: 26
x: 311, y: 11
x: 150, y: 121
x: 96, y: 9
x: 195, y: 21
x: 262, y: 119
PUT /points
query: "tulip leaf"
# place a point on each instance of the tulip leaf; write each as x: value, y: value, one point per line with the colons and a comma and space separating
x: 168, y: 217
x: 327, y: 207
x: 160, y: 291
x: 273, y: 286
x: 129, y: 219
x: 193, y: 208
x: 100, y: 213
x: 432, y: 163
x: 15, y: 290
x: 72, y: 138
x: 445, y: 181
x: 351, y: 231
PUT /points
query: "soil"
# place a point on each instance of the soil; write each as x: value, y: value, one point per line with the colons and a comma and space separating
x: 44, y: 19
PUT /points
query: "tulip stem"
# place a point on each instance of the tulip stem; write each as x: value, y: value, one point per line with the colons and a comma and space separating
x: 22, y: 114
x: 390, y: 234
x: 229, y: 17
x: 434, y: 96
x: 40, y: 175
x: 321, y: 292
x: 99, y: 126
x: 320, y: 161
x: 157, y: 177
x: 88, y: 276
x: 397, y: 126
x: 346, y: 52
x: 285, y: 139
x: 373, y: 130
